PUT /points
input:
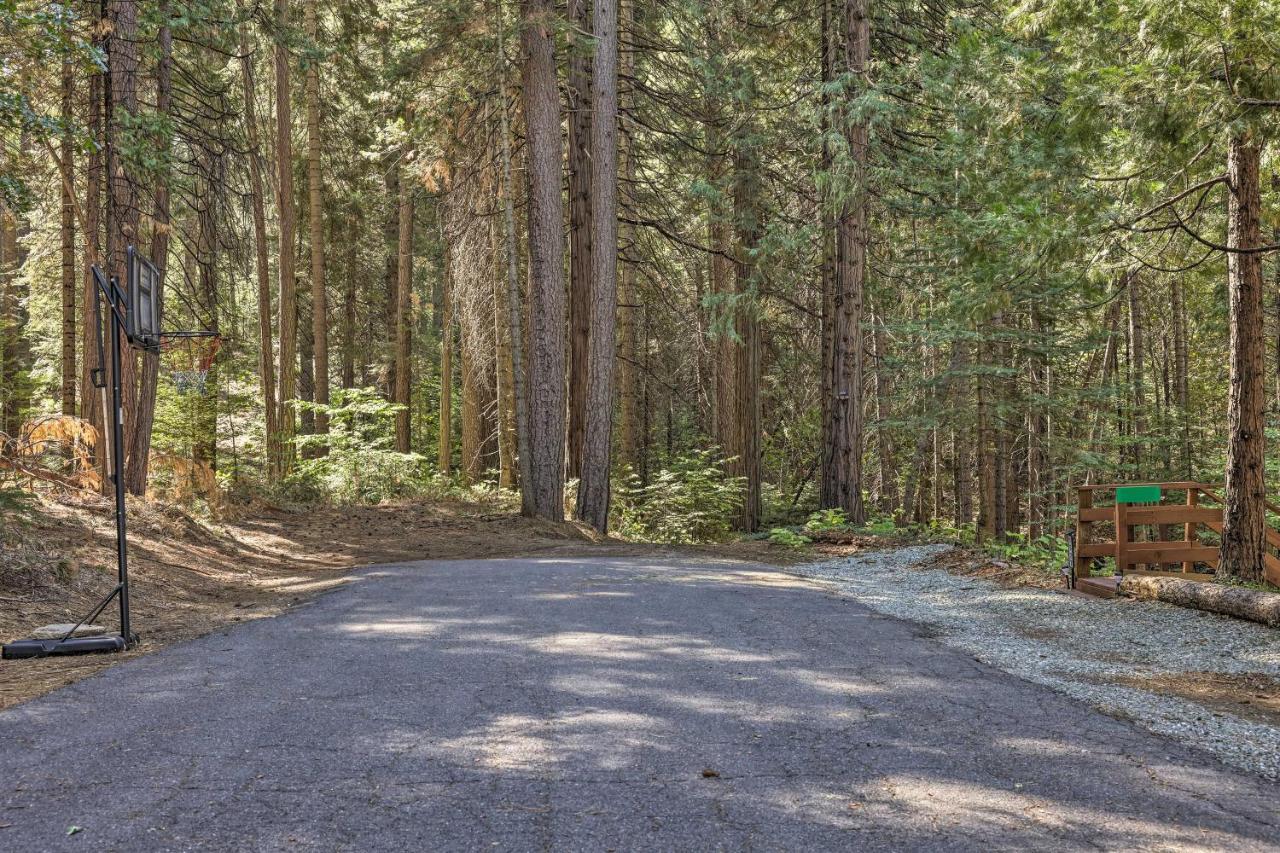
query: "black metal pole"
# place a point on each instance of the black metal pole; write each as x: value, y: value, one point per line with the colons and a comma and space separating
x: 117, y: 454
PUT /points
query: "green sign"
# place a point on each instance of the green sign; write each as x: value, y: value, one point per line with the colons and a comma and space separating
x: 1138, y: 495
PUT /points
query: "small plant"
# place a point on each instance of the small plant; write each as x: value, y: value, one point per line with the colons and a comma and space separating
x: 827, y: 520
x: 1047, y: 553
x: 788, y: 538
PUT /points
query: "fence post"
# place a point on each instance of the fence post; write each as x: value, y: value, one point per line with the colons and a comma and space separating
x: 1084, y: 500
x: 1189, y: 529
x: 1122, y: 537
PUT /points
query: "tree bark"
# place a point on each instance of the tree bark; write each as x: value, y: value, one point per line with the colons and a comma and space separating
x: 349, y: 291
x: 513, y: 303
x: 593, y: 488
x: 404, y: 313
x: 122, y: 205
x: 843, y: 435
x: 888, y: 491
x: 1251, y: 604
x: 67, y: 243
x: 262, y: 252
x: 544, y: 494
x: 746, y: 216
x: 1244, y: 516
x: 285, y: 212
x: 444, y: 446
x: 149, y: 380
x: 319, y: 297
x: 628, y: 350
x: 1137, y: 367
x: 578, y: 96
x: 90, y: 399
x: 391, y: 240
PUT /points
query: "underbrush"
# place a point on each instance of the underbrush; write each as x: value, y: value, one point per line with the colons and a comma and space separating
x: 690, y: 500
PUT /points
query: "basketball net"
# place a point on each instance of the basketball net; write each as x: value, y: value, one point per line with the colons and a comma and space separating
x: 189, y: 360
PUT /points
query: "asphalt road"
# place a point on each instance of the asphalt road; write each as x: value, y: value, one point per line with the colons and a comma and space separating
x: 602, y: 704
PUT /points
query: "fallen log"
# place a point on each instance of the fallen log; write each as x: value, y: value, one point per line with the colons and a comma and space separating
x: 1242, y: 603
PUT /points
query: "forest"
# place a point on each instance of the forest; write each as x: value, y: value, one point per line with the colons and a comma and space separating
x: 673, y: 268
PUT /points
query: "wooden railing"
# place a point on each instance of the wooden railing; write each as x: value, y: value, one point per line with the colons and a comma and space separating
x: 1158, y: 553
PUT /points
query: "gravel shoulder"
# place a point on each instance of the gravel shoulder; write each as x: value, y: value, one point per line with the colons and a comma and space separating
x: 1094, y: 651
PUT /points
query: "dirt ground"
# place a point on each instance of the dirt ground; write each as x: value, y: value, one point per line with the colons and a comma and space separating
x: 189, y: 576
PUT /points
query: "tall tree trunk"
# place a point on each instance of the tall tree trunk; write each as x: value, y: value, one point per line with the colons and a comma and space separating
x: 1244, y: 517
x: 579, y: 104
x: 209, y: 167
x: 122, y: 206
x: 724, y: 427
x: 1037, y: 431
x: 404, y: 313
x: 472, y: 413
x: 140, y: 447
x: 593, y: 488
x: 288, y: 223
x: 502, y: 357
x: 746, y: 218
x: 843, y: 435
x: 13, y: 297
x: 628, y: 355
x: 67, y: 243
x: 827, y: 62
x: 1137, y: 366
x: 544, y: 495
x: 391, y: 240
x: 960, y: 453
x: 90, y: 398
x: 1181, y: 386
x: 349, y: 312
x: 513, y: 302
x: 444, y: 447
x: 888, y: 491
x: 985, y: 451
x: 262, y: 253
x: 319, y: 297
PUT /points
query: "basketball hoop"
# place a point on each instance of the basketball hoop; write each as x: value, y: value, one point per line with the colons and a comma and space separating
x: 189, y: 359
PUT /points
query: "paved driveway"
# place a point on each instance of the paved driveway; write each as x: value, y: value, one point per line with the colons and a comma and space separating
x: 594, y: 704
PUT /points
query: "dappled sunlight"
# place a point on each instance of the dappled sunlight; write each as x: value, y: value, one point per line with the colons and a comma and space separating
x: 393, y: 627
x: 507, y: 742
x: 526, y: 695
x: 840, y: 685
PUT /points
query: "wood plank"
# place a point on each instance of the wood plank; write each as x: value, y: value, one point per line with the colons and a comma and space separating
x: 1189, y: 529
x: 1084, y: 500
x: 1167, y: 552
x: 1199, y: 577
x: 1096, y: 549
x: 1271, y: 569
x: 1175, y: 515
x: 1098, y: 587
x: 1174, y: 485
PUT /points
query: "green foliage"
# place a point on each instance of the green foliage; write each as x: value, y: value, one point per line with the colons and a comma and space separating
x: 359, y: 463
x: 690, y: 500
x: 827, y: 519
x: 788, y: 538
x: 1047, y: 553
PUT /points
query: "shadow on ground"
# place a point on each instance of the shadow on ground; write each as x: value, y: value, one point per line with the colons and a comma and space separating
x: 575, y: 703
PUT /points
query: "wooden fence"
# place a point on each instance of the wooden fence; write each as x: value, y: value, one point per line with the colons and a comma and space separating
x: 1145, y: 522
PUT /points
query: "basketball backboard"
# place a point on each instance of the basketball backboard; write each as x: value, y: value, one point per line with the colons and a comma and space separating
x: 143, y: 312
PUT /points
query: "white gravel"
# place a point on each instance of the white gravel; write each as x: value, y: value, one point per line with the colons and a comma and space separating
x: 1076, y: 646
